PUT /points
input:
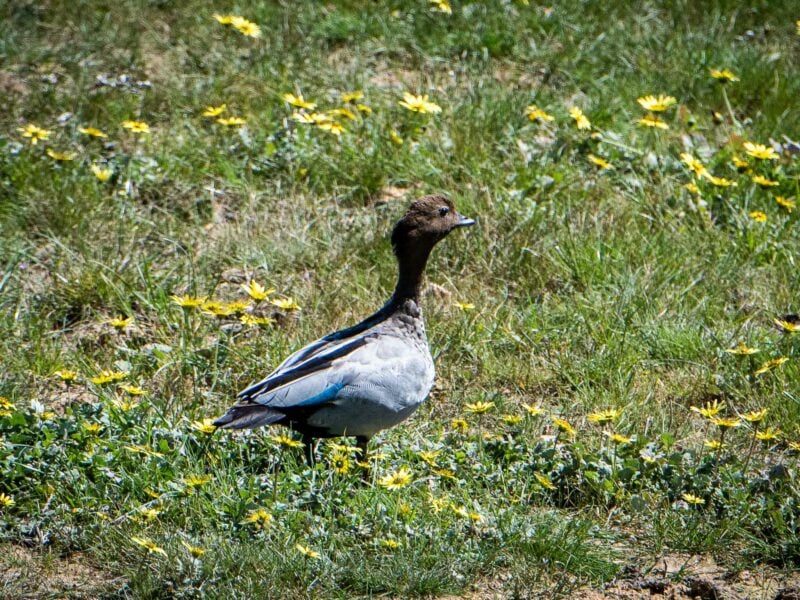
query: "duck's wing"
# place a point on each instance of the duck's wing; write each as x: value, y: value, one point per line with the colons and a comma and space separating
x: 303, y: 386
x: 326, y: 343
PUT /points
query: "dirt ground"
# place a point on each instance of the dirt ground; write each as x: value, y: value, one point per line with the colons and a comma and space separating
x: 28, y: 575
x: 671, y: 577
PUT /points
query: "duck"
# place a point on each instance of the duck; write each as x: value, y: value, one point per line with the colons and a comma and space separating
x: 371, y: 376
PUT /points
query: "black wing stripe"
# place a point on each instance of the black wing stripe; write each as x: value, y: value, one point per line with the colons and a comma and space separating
x: 317, y: 363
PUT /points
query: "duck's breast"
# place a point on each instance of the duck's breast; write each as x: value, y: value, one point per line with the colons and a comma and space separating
x: 389, y: 379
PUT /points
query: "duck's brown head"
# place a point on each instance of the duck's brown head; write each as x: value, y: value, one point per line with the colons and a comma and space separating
x: 428, y: 220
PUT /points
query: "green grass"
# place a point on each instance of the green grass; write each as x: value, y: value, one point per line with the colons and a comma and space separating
x: 592, y: 289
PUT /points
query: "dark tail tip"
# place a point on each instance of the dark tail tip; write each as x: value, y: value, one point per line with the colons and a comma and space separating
x: 248, y: 417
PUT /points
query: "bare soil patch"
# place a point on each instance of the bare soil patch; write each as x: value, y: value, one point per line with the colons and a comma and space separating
x: 27, y: 574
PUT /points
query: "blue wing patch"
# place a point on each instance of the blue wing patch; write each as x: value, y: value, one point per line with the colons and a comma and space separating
x: 325, y: 396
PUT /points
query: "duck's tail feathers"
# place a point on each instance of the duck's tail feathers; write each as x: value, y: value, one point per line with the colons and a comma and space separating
x: 248, y: 416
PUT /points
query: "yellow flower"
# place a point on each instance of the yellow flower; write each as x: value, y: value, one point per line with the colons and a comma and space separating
x: 723, y: 75
x: 769, y: 434
x: 193, y: 481
x: 651, y: 121
x: 92, y: 132
x: 92, y: 427
x: 534, y: 410
x: 564, y: 426
x: 120, y: 323
x: 189, y: 301
x: 34, y: 133
x: 258, y: 517
x: 764, y: 182
x: 136, y: 126
x: 719, y: 181
x: 605, y: 416
x: 692, y: 187
x: 390, y: 544
x: 204, y: 426
x: 6, y: 501
x: 340, y: 462
x: 459, y: 425
x: 581, y: 121
x: 247, y: 28
x: 244, y: 26
x: 429, y: 457
x: 66, y: 375
x: 758, y: 216
x: 419, y: 104
x: 306, y: 551
x: 149, y: 514
x: 149, y: 545
x: 714, y: 445
x: 760, y: 151
x: 231, y: 121
x: 534, y: 113
x: 618, y: 438
x: 353, y: 96
x: 787, y: 325
x: 479, y: 407
x: 395, y: 137
x: 771, y: 364
x: 442, y: 6
x: 287, y: 441
x: 711, y: 409
x: 298, y: 101
x: 102, y: 173
x: 795, y: 446
x: 755, y: 416
x: 285, y: 303
x: 219, y: 309
x: 741, y: 165
x: 658, y: 103
x: 787, y: 203
x: 125, y: 405
x: 363, y: 108
x: 544, y: 481
x: 692, y: 499
x: 61, y: 156
x: 461, y: 511
x: 311, y: 118
x: 247, y: 319
x: 742, y: 349
x: 597, y: 161
x: 193, y: 550
x: 108, y: 376
x: 332, y: 127
x: 465, y: 306
x: 725, y: 422
x: 133, y: 390
x: 395, y: 481
x: 444, y: 474
x: 511, y: 419
x: 215, y: 111
x: 342, y: 112
x: 694, y: 164
x: 256, y: 291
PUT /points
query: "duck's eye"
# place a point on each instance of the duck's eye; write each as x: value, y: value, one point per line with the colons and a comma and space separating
x: 443, y: 211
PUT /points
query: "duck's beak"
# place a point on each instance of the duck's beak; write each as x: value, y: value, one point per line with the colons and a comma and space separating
x: 465, y: 221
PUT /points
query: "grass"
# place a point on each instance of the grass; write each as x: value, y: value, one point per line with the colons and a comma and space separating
x: 592, y: 289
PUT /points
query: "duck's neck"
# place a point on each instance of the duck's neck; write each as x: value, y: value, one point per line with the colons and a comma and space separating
x: 411, y: 269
